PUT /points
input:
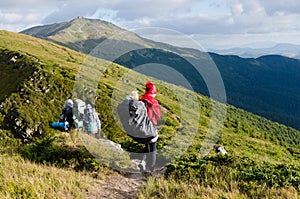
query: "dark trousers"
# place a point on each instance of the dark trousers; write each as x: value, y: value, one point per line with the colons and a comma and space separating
x: 150, y: 155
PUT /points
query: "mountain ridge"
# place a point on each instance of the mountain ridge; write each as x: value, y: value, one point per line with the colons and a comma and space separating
x: 284, y: 49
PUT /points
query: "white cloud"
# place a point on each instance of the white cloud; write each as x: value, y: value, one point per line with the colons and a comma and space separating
x: 237, y: 9
x: 287, y: 7
x: 10, y: 18
x: 222, y: 18
x: 16, y: 21
x: 105, y: 14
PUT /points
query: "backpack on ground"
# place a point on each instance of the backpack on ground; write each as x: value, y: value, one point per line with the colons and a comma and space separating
x: 135, y: 121
x: 63, y: 126
x: 90, y: 119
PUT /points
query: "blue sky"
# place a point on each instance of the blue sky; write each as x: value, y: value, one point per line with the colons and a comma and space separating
x: 213, y: 24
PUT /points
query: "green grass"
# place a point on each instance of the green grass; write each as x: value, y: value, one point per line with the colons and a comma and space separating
x: 172, y: 188
x: 263, y: 160
x: 23, y: 179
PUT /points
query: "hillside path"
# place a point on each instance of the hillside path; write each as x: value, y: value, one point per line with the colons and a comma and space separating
x: 118, y: 186
x: 122, y: 186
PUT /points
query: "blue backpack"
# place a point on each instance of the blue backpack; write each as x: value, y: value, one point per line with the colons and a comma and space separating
x: 60, y: 125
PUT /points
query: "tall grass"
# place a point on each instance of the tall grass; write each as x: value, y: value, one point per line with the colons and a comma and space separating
x: 23, y: 179
x: 170, y: 188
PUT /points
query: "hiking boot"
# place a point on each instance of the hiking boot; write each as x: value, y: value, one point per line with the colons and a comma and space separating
x: 151, y: 173
x: 142, y: 166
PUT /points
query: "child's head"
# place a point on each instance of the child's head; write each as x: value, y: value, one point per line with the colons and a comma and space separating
x: 135, y: 95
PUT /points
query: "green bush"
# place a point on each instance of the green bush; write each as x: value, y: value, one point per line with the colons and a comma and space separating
x: 48, y: 151
x: 248, y: 173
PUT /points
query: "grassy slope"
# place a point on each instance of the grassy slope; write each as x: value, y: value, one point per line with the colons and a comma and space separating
x: 252, y: 141
x: 24, y: 179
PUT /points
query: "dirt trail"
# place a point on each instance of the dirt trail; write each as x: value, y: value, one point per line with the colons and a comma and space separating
x: 117, y: 186
x: 122, y: 186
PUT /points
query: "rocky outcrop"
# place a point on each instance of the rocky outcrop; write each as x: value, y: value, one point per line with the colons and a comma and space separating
x: 20, y: 127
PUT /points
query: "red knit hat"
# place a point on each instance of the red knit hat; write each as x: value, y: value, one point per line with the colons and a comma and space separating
x: 150, y: 88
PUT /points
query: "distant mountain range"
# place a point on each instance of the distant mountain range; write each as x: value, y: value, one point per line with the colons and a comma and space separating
x: 267, y: 85
x: 288, y: 50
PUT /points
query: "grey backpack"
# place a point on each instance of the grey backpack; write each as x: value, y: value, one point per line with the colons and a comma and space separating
x: 135, y: 121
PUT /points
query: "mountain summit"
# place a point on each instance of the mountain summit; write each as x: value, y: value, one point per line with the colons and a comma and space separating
x: 82, y: 34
